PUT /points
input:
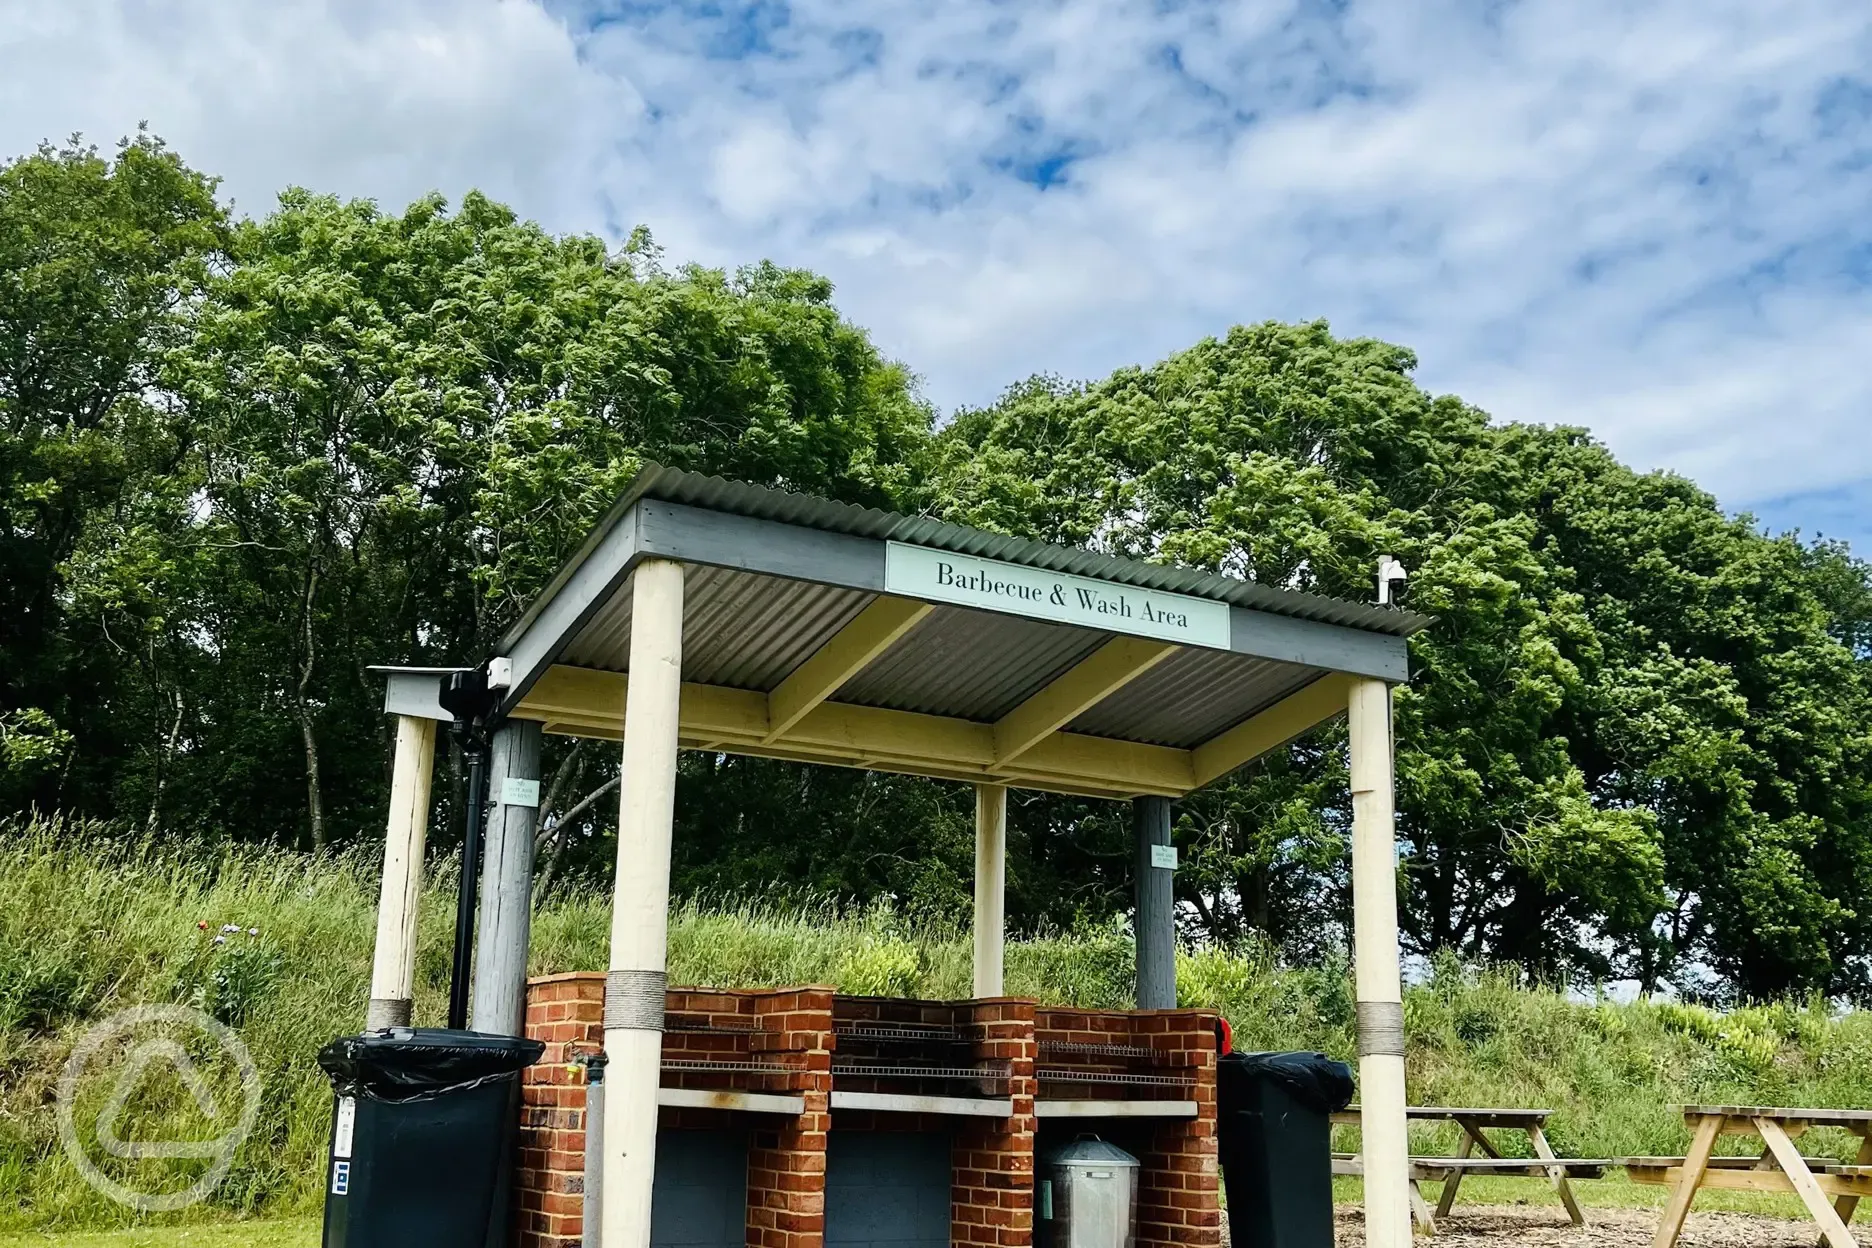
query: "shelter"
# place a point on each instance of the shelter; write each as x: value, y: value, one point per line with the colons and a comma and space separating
x: 707, y: 614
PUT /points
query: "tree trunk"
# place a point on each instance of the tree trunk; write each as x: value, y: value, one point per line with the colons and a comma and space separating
x: 162, y: 765
x: 315, y: 806
x: 564, y: 826
x: 570, y: 768
x: 308, y: 660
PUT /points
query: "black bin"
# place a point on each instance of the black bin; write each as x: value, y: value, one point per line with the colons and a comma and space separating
x: 422, y: 1148
x: 1274, y: 1133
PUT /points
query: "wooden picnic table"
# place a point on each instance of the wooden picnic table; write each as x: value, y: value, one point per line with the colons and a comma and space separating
x: 1450, y: 1170
x: 1779, y: 1168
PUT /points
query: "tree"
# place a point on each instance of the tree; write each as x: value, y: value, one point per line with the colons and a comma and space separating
x: 1630, y: 736
x: 407, y: 421
x: 99, y: 261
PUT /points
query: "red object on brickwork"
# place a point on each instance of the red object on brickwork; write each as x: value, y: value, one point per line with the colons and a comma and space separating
x: 783, y: 1041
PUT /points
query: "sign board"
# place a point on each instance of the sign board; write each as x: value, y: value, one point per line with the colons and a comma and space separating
x: 1164, y: 857
x: 520, y: 792
x: 1056, y: 597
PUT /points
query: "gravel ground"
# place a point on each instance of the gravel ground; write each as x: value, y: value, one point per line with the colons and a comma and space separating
x: 1483, y: 1226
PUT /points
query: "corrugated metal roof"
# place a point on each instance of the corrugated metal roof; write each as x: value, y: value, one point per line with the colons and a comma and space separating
x: 1192, y: 696
x: 762, y: 503
x: 739, y: 629
x: 748, y: 630
x: 975, y: 665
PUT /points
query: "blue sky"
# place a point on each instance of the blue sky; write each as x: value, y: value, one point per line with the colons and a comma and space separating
x: 1649, y: 219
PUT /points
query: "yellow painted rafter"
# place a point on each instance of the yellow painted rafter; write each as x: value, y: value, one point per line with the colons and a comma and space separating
x: 873, y: 631
x: 587, y: 702
x: 1292, y: 716
x: 1088, y: 683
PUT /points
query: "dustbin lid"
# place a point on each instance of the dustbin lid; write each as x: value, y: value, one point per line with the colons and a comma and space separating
x: 1089, y: 1150
x: 414, y: 1063
x: 1317, y: 1081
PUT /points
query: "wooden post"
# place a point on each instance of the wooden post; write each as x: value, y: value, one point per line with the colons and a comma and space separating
x: 1378, y: 978
x: 507, y: 879
x: 1155, y: 923
x: 990, y: 888
x: 634, y: 991
x: 393, y: 971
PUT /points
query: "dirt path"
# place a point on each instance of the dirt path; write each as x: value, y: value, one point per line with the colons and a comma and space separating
x: 1484, y: 1226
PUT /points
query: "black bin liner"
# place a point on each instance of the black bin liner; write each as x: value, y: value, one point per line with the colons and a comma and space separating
x: 405, y: 1064
x: 423, y: 1138
x: 1274, y: 1134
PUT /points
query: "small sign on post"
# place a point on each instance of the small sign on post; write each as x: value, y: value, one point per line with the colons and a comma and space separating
x: 520, y: 792
x: 1164, y: 857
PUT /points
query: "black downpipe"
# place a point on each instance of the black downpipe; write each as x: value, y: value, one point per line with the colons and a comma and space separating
x: 469, y: 897
x: 466, y: 696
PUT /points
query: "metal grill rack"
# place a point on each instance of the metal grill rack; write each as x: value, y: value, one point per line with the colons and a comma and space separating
x: 715, y: 1054
x: 1071, y: 1071
x: 711, y: 1025
x: 1137, y: 1051
x: 682, y: 1065
x: 885, y: 1055
x: 1046, y: 1074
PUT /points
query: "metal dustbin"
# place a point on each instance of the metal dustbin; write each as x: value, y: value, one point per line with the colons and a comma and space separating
x: 1088, y: 1197
x: 423, y: 1131
x: 1274, y: 1134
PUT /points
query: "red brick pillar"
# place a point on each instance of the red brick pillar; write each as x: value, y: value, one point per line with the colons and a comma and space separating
x: 992, y: 1206
x: 787, y: 1161
x: 567, y: 1013
x: 1179, y: 1193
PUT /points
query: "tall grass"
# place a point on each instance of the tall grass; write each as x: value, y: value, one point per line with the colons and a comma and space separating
x: 89, y: 925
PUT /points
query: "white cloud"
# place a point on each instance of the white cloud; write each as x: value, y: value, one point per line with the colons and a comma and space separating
x: 388, y: 100
x: 1646, y: 220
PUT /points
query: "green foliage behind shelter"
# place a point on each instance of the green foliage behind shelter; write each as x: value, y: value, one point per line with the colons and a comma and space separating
x: 241, y: 460
x: 1636, y: 735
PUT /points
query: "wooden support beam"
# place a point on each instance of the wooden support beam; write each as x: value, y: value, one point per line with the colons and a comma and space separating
x: 634, y: 989
x: 850, y: 651
x: 587, y: 702
x: 1102, y: 673
x: 1392, y: 1198
x: 1292, y: 716
x: 990, y: 888
x: 393, y: 970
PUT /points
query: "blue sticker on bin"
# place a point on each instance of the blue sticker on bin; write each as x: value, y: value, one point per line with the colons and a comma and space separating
x: 341, y: 1178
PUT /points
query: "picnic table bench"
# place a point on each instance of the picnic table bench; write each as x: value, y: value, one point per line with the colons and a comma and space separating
x: 1779, y: 1168
x: 1450, y: 1170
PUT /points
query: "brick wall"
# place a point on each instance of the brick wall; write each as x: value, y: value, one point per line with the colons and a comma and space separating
x: 787, y: 1160
x: 994, y: 1157
x: 567, y: 1012
x: 789, y: 1029
x: 790, y: 1035
x: 1179, y: 1188
x: 1179, y: 1193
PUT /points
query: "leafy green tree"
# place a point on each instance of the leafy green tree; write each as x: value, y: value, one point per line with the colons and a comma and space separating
x: 239, y: 462
x: 406, y: 421
x: 1634, y: 736
x: 99, y: 260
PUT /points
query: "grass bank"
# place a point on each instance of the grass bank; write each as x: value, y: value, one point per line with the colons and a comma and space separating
x: 88, y: 927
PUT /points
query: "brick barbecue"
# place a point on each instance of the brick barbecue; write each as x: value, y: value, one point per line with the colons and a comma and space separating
x: 1004, y: 1079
